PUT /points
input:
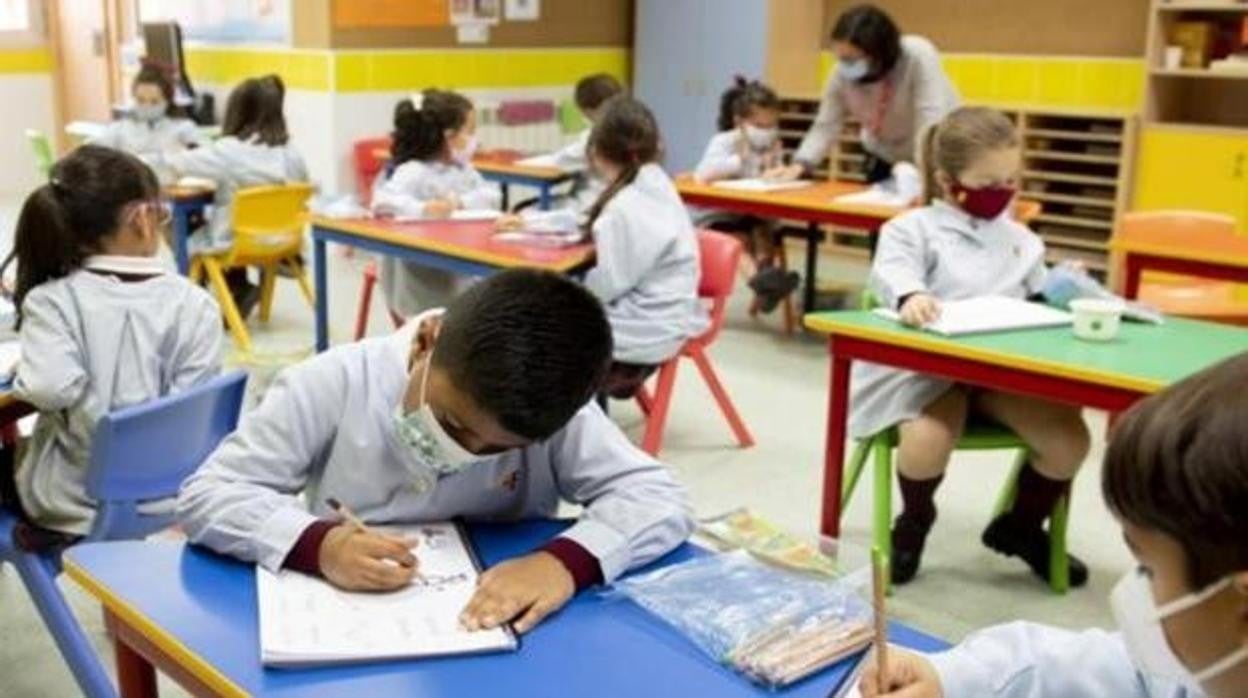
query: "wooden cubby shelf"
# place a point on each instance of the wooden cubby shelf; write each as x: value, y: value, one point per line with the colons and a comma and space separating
x: 1077, y: 165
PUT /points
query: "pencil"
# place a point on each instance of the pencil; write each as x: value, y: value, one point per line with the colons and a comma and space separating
x: 878, y: 568
x: 342, y: 510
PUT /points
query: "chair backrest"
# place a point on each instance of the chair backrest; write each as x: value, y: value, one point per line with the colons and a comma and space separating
x: 144, y: 452
x: 719, y: 254
x: 269, y: 220
x: 368, y: 165
x: 41, y: 146
x: 1174, y: 228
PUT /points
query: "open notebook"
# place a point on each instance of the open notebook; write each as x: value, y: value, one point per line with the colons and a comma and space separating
x: 757, y: 184
x: 304, y: 620
x: 989, y: 314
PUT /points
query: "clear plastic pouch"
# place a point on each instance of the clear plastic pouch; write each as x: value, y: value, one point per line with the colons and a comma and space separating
x: 774, y: 624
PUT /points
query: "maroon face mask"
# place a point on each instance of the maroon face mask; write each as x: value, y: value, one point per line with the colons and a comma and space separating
x: 983, y: 202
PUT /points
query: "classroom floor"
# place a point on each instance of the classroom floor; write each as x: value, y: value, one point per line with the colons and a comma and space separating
x: 779, y: 384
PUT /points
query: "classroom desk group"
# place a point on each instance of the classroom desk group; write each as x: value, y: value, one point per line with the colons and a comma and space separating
x: 192, y: 615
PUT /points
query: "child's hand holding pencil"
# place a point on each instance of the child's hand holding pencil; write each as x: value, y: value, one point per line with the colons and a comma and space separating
x: 358, y: 558
x: 907, y: 675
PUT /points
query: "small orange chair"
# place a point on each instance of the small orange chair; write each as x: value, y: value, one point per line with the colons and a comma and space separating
x: 368, y: 165
x: 720, y: 255
x: 1185, y: 296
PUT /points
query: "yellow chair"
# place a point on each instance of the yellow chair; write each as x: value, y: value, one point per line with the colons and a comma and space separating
x: 268, y: 223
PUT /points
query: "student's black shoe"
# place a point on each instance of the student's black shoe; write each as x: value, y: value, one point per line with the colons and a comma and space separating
x: 772, y: 286
x: 1005, y: 536
x: 246, y: 297
x: 909, y: 536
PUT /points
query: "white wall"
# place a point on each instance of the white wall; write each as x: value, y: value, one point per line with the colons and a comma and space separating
x: 28, y: 103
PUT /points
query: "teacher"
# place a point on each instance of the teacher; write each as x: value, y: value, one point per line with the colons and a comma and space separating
x: 892, y: 85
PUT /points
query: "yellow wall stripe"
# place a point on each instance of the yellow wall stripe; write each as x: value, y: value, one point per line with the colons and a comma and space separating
x: 1044, y: 81
x: 361, y: 71
x: 461, y: 68
x: 305, y: 70
x: 32, y: 60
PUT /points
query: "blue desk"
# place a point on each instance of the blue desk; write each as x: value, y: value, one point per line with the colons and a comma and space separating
x: 505, y: 169
x: 185, y: 203
x: 193, y: 615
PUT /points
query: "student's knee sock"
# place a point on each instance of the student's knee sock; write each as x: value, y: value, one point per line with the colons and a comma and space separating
x: 1037, y: 496
x: 918, y: 498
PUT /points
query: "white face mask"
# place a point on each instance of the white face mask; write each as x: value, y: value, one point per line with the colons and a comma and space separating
x: 464, y: 155
x: 424, y: 435
x: 760, y: 138
x: 1139, y: 619
x: 149, y: 112
x: 853, y: 70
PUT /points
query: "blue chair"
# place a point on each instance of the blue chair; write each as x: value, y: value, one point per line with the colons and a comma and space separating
x: 139, y: 454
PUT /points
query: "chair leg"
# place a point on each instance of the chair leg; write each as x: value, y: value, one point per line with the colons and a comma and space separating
x: 196, y: 273
x: 39, y: 576
x: 854, y: 472
x: 1059, y: 562
x: 700, y: 359
x: 368, y: 282
x: 232, y: 317
x: 304, y: 285
x: 268, y: 280
x: 645, y: 402
x: 1009, y: 490
x: 882, y: 512
x: 653, y: 438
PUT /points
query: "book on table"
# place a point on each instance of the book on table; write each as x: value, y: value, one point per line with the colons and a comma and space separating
x: 760, y: 185
x: 988, y: 314
x: 305, y: 621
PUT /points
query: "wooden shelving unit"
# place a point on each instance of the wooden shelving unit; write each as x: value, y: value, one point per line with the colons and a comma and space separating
x: 1192, y: 93
x: 1076, y: 163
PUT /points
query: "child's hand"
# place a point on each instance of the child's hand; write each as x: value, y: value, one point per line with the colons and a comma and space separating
x: 787, y: 173
x: 920, y: 309
x: 775, y: 174
x: 909, y: 676
x: 439, y: 208
x: 509, y: 222
x: 365, y: 561
x: 529, y: 587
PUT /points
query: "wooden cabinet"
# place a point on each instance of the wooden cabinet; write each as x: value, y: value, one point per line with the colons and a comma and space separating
x: 1193, y: 169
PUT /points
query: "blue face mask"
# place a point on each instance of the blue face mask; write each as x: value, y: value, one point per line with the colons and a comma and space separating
x: 854, y: 70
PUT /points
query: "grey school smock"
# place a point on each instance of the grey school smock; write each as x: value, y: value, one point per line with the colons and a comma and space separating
x: 942, y: 250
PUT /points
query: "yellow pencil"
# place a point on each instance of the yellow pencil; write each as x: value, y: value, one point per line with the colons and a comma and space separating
x: 341, y: 509
x: 878, y: 567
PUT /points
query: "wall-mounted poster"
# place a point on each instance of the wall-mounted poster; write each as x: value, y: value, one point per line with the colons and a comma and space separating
x: 351, y: 14
x: 522, y: 10
x: 475, y: 11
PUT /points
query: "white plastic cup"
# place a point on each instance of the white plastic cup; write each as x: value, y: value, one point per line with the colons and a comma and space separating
x: 1097, y: 319
x: 1173, y: 58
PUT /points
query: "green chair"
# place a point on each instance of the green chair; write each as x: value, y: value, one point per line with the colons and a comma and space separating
x: 42, y: 148
x: 978, y: 436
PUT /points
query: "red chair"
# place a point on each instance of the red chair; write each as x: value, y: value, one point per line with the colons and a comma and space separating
x: 368, y: 156
x: 720, y: 253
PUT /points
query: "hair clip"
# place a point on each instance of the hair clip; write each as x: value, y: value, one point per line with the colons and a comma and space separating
x: 418, y: 100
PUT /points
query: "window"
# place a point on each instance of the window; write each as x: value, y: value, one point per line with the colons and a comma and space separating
x: 14, y: 15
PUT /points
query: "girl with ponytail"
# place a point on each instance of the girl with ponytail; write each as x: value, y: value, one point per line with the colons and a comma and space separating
x: 430, y: 175
x: 647, y: 251
x: 102, y: 323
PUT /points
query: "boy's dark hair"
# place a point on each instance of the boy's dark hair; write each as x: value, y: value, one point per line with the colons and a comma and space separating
x: 592, y: 91
x: 872, y: 30
x: 530, y: 347
x: 151, y: 74
x: 626, y: 134
x: 420, y: 134
x: 255, y: 110
x: 741, y: 99
x: 1178, y: 463
x: 62, y: 222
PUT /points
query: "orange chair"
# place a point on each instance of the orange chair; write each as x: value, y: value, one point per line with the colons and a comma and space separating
x: 368, y: 283
x: 720, y: 254
x: 1185, y: 296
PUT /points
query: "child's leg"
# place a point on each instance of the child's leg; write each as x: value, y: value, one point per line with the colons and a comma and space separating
x: 1059, y: 441
x: 771, y: 283
x: 923, y: 449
